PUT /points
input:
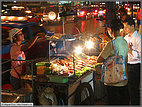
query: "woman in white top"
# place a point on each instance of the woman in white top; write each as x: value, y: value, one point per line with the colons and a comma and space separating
x: 117, y: 93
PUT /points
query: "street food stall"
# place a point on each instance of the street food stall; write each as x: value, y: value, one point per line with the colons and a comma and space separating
x: 66, y: 77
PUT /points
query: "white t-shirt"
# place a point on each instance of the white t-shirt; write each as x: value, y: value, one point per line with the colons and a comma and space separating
x: 135, y: 41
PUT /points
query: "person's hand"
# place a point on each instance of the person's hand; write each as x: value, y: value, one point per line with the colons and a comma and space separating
x: 130, y: 48
x: 130, y: 52
x: 42, y: 35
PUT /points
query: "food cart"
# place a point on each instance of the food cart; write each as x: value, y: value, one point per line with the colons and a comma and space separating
x: 71, y: 78
x: 67, y: 76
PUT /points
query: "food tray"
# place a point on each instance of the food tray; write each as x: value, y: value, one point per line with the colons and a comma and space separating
x: 58, y: 79
x: 41, y: 67
x: 41, y: 63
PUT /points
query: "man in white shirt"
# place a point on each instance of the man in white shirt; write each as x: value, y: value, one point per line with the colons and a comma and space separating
x: 134, y: 60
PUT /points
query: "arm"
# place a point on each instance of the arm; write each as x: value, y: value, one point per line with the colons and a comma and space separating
x: 31, y: 42
x: 138, y: 50
x: 135, y: 49
x: 105, y: 53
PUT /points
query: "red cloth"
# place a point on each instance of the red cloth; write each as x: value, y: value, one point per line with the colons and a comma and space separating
x: 7, y: 86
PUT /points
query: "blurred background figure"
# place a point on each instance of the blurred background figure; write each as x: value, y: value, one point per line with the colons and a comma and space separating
x: 123, y: 14
x: 139, y: 20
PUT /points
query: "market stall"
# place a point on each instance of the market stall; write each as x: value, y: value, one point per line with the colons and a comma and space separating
x: 69, y: 73
x: 66, y: 77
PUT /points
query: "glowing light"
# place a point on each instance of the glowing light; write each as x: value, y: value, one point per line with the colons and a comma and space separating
x: 101, y: 12
x: 52, y: 15
x: 3, y: 17
x: 78, y: 50
x: 29, y: 16
x: 104, y: 11
x: 11, y: 17
x: 89, y: 44
x: 82, y: 13
x: 128, y: 9
x: 17, y: 7
x: 121, y: 30
x: 21, y: 18
x: 2, y: 10
x: 89, y: 57
x: 96, y: 11
x: 27, y: 11
x: 45, y: 15
x: 128, y: 13
x: 58, y: 17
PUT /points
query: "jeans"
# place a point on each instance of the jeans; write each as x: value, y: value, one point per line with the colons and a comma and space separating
x: 134, y: 83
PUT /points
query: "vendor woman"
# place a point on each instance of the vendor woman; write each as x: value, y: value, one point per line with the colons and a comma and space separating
x: 17, y: 53
x: 117, y: 93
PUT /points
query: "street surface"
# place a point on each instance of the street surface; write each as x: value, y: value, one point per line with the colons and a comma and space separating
x: 92, y: 26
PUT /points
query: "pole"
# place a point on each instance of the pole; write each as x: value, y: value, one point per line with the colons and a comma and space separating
x: 32, y: 81
x: 73, y: 63
x: 49, y: 51
x: 64, y: 31
x: 63, y: 25
x: 103, y: 41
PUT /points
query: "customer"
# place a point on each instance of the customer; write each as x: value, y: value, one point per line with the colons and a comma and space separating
x: 117, y: 93
x: 17, y: 52
x: 134, y: 60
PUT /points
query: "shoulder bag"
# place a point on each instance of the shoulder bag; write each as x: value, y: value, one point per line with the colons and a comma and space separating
x: 113, y: 70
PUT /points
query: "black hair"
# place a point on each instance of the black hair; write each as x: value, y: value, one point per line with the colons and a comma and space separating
x: 115, y: 25
x: 130, y: 21
x: 127, y: 17
x: 123, y: 10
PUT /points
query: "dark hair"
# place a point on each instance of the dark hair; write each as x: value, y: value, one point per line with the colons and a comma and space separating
x: 127, y: 17
x: 116, y: 25
x: 123, y: 10
x: 130, y: 21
